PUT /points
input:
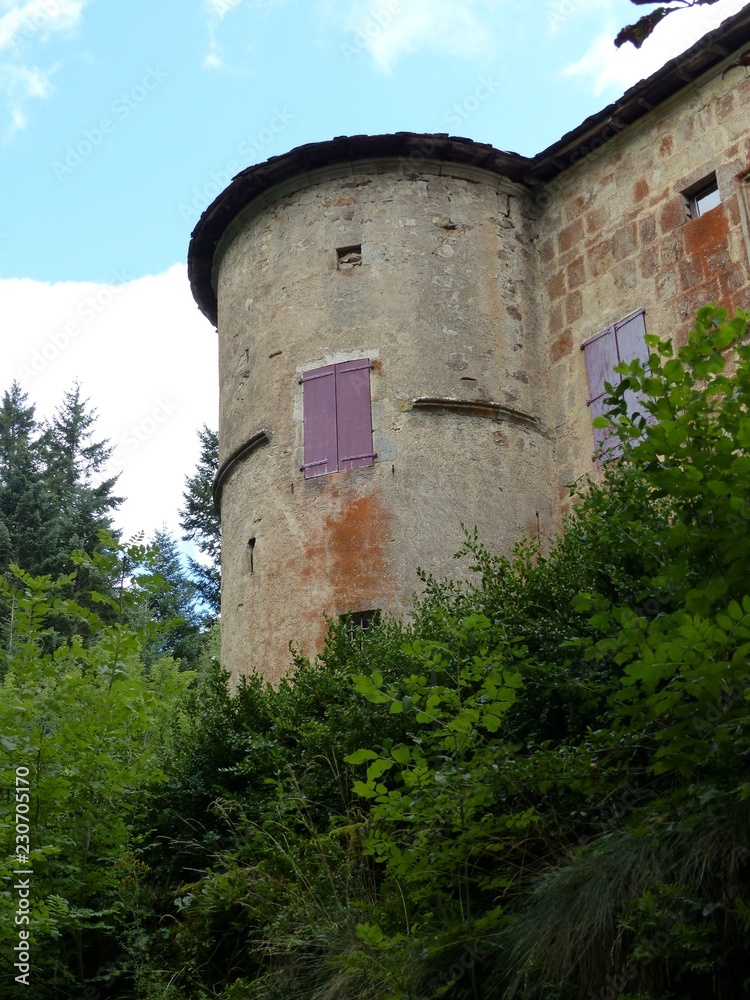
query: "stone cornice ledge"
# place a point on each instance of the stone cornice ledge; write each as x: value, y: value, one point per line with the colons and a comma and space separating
x: 255, y: 441
x: 499, y: 412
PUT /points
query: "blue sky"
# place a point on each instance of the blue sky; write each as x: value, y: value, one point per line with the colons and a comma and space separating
x: 120, y: 122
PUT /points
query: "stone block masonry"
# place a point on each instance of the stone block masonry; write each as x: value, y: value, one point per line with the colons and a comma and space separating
x: 461, y: 282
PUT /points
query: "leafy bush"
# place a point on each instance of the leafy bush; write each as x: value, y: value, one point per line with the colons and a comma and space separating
x: 535, y: 788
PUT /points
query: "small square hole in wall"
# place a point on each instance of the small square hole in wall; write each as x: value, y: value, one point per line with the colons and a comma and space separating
x: 702, y: 197
x: 349, y: 257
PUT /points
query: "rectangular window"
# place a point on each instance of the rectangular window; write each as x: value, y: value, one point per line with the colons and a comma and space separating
x: 359, y: 622
x: 622, y: 342
x: 702, y: 197
x: 337, y: 418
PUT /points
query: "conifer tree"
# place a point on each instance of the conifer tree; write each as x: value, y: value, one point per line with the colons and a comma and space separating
x: 74, y: 463
x: 28, y: 529
x: 172, y: 603
x: 200, y: 522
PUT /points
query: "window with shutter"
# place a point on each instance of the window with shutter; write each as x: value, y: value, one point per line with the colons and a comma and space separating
x: 337, y: 418
x: 622, y: 342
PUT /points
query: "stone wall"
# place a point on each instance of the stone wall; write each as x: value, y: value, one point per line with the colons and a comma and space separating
x: 471, y: 294
x: 444, y: 303
x: 617, y: 237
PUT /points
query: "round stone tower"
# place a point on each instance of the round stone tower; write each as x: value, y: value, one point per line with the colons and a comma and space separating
x: 381, y: 378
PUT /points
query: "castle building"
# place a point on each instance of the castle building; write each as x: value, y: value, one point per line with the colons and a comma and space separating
x: 415, y: 330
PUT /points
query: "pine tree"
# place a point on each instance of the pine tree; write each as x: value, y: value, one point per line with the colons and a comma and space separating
x: 28, y: 512
x: 74, y: 464
x: 53, y: 499
x: 172, y: 603
x: 200, y: 523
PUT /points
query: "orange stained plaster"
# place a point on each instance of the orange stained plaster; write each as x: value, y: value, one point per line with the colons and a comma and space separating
x: 706, y: 242
x: 351, y: 552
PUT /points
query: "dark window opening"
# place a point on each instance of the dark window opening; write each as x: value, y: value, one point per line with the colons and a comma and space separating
x: 349, y: 257
x: 359, y: 622
x: 251, y: 546
x: 337, y: 418
x: 702, y: 197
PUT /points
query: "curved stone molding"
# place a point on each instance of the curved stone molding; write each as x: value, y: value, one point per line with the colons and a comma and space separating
x: 477, y: 408
x: 247, y: 447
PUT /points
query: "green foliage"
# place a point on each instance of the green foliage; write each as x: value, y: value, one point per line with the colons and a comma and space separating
x: 74, y: 465
x: 173, y: 603
x: 535, y: 788
x: 53, y: 497
x: 88, y: 727
x: 201, y: 524
x: 538, y: 787
x: 27, y: 507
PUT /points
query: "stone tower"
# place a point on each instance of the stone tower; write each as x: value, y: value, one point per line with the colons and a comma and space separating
x: 415, y: 331
x: 376, y: 302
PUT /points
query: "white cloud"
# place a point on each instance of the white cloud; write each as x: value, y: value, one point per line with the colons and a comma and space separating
x: 220, y: 8
x: 147, y: 360
x: 390, y: 29
x: 23, y: 26
x: 18, y: 84
x: 611, y: 69
x: 217, y: 11
x: 213, y: 59
x: 24, y: 22
x: 559, y: 11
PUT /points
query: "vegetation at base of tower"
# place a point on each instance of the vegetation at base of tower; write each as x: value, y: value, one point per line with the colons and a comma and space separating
x: 86, y: 726
x: 536, y: 788
x: 638, y: 32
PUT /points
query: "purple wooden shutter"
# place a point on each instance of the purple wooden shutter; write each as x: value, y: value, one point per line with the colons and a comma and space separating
x: 319, y: 413
x: 353, y: 414
x: 631, y: 345
x: 601, y: 358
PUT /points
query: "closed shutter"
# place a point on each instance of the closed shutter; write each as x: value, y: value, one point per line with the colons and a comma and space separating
x: 601, y: 358
x: 319, y: 414
x: 337, y: 418
x: 622, y: 342
x: 353, y: 414
x: 631, y: 345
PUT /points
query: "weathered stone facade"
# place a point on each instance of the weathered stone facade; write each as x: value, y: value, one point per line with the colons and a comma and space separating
x: 474, y: 280
x: 617, y: 237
